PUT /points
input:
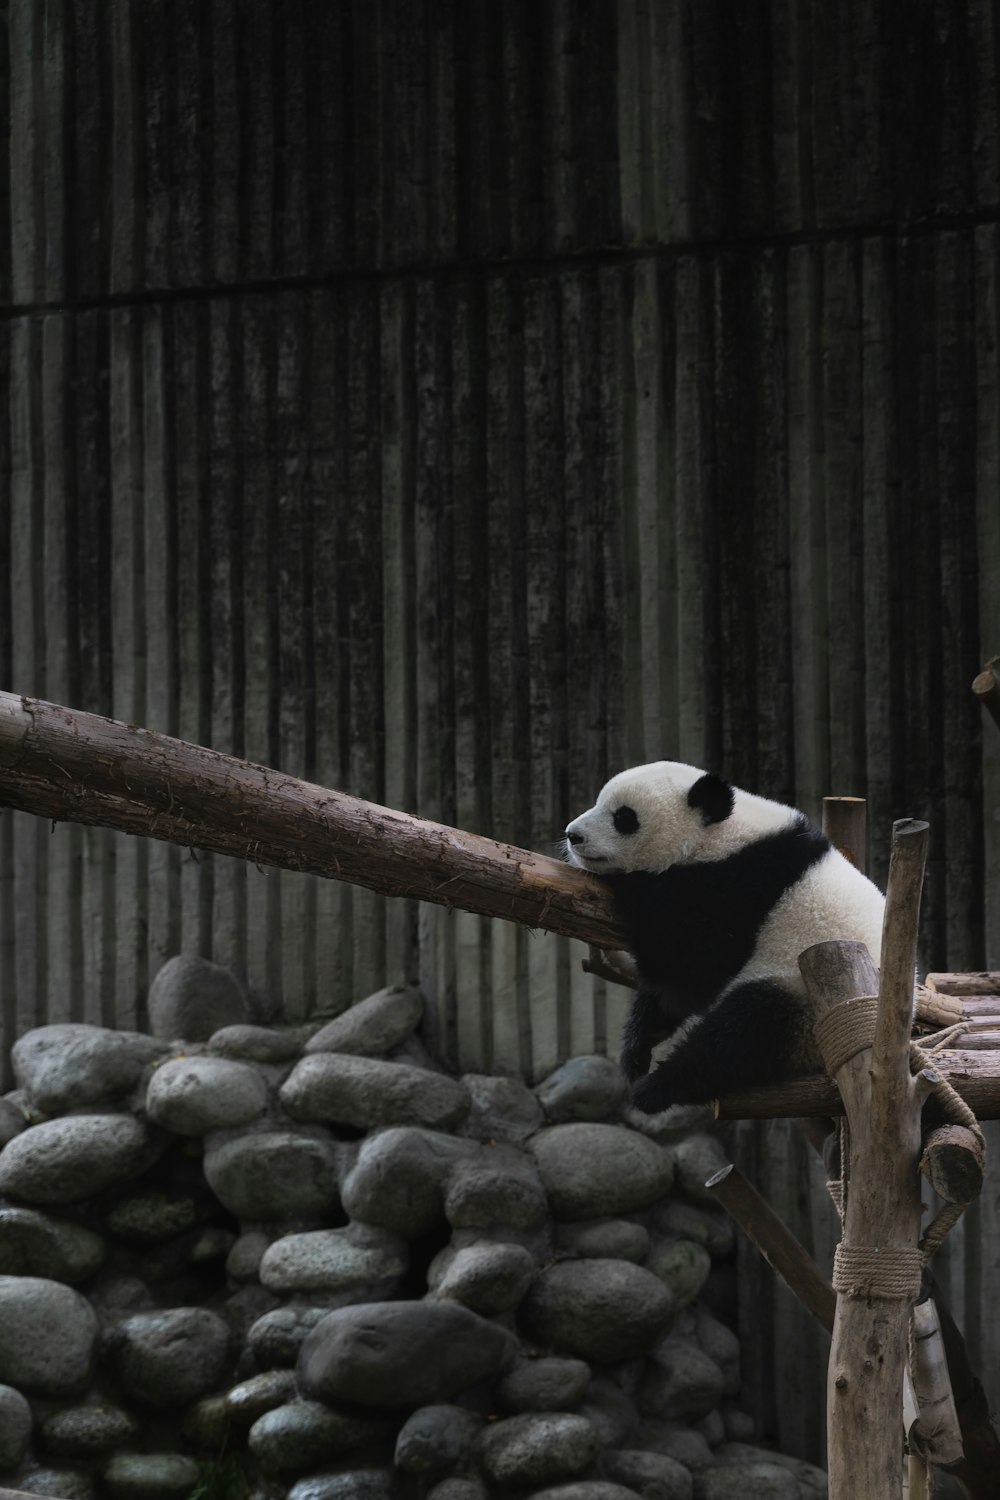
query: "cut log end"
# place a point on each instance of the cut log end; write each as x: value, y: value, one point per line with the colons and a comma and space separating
x: 953, y: 1164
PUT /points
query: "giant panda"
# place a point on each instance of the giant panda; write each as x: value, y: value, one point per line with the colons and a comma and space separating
x: 719, y: 891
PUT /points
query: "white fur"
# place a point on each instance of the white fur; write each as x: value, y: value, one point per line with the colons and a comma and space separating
x: 833, y: 900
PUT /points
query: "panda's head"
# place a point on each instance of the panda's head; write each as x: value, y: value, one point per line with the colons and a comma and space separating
x: 652, y: 817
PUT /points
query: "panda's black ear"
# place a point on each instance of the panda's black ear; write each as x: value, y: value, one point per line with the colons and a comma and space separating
x: 713, y: 798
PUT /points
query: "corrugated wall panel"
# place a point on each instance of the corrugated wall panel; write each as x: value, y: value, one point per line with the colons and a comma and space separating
x: 452, y: 403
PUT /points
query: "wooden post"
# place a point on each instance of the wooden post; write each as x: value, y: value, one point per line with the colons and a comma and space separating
x: 844, y: 823
x: 877, y: 1272
x: 987, y: 690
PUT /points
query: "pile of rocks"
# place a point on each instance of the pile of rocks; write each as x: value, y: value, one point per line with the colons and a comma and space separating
x: 310, y: 1263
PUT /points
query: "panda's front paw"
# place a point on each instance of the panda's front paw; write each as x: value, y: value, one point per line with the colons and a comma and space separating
x: 651, y: 1094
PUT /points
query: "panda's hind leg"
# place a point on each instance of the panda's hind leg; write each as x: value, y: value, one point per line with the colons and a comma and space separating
x: 757, y: 1034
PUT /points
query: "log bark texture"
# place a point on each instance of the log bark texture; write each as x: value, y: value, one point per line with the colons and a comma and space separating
x: 60, y: 764
x: 882, y: 1214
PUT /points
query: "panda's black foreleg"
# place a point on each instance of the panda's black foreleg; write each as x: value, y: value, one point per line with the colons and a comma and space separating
x: 758, y: 1034
x: 652, y: 1019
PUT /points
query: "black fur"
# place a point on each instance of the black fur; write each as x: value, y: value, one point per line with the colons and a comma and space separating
x: 692, y: 928
x: 713, y: 797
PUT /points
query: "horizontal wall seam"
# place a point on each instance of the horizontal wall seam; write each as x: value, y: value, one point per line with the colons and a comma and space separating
x: 528, y: 267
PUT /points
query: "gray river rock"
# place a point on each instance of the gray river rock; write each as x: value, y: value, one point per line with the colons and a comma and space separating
x: 48, y: 1334
x: 72, y: 1065
x: 594, y: 1171
x: 192, y: 1095
x: 73, y: 1158
x: 33, y: 1244
x: 367, y: 1093
x: 373, y: 1026
x: 193, y: 998
x: 390, y: 1354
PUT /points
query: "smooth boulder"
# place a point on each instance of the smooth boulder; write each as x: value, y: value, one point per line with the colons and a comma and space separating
x: 390, y: 1354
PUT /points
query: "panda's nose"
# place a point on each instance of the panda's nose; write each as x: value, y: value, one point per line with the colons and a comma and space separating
x: 574, y: 838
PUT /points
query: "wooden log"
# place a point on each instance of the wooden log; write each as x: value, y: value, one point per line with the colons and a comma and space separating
x: 776, y: 1243
x: 953, y: 1161
x: 976, y: 982
x: 987, y: 690
x: 882, y: 1217
x: 974, y: 1075
x: 61, y: 764
x: 844, y: 823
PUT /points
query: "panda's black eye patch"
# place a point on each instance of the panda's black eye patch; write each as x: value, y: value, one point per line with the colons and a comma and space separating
x: 625, y: 819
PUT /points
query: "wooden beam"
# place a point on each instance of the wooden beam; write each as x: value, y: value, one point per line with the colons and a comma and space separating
x: 64, y: 765
x: 974, y: 1075
x: 844, y: 823
x: 775, y: 1241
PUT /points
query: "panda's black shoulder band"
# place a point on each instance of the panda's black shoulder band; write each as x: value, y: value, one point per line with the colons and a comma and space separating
x: 713, y: 798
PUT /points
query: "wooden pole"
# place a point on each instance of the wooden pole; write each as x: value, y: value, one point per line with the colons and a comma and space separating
x: 877, y: 1273
x: 844, y: 823
x: 775, y: 1241
x: 61, y: 764
x: 974, y: 1075
x: 987, y: 690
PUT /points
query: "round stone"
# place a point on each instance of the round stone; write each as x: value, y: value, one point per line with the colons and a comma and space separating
x: 191, y: 998
x: 585, y: 1088
x: 47, y: 1336
x: 747, y: 1481
x: 171, y: 1357
x: 151, y: 1476
x: 61, y: 1484
x: 356, y: 1484
x: 192, y: 1095
x: 68, y: 1160
x: 600, y: 1310
x: 367, y: 1093
x: 71, y: 1065
x: 277, y: 1336
x: 252, y: 1398
x: 304, y: 1435
x: 373, y: 1026
x: 503, y: 1109
x: 593, y: 1171
x: 651, y: 1474
x: 15, y: 1427
x: 711, y: 1227
x: 33, y: 1244
x: 243, y: 1261
x: 279, y: 1174
x: 12, y: 1119
x: 389, y: 1354
x: 497, y: 1185
x: 488, y: 1278
x: 435, y: 1439
x: 537, y: 1447
x: 88, y: 1431
x: 587, y: 1489
x: 546, y: 1384
x: 346, y: 1262
x: 683, y: 1266
x: 606, y: 1239
x: 397, y: 1181
x: 258, y: 1044
x: 680, y: 1380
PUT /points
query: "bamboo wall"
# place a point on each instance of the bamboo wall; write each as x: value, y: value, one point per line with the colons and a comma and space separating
x: 454, y: 402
